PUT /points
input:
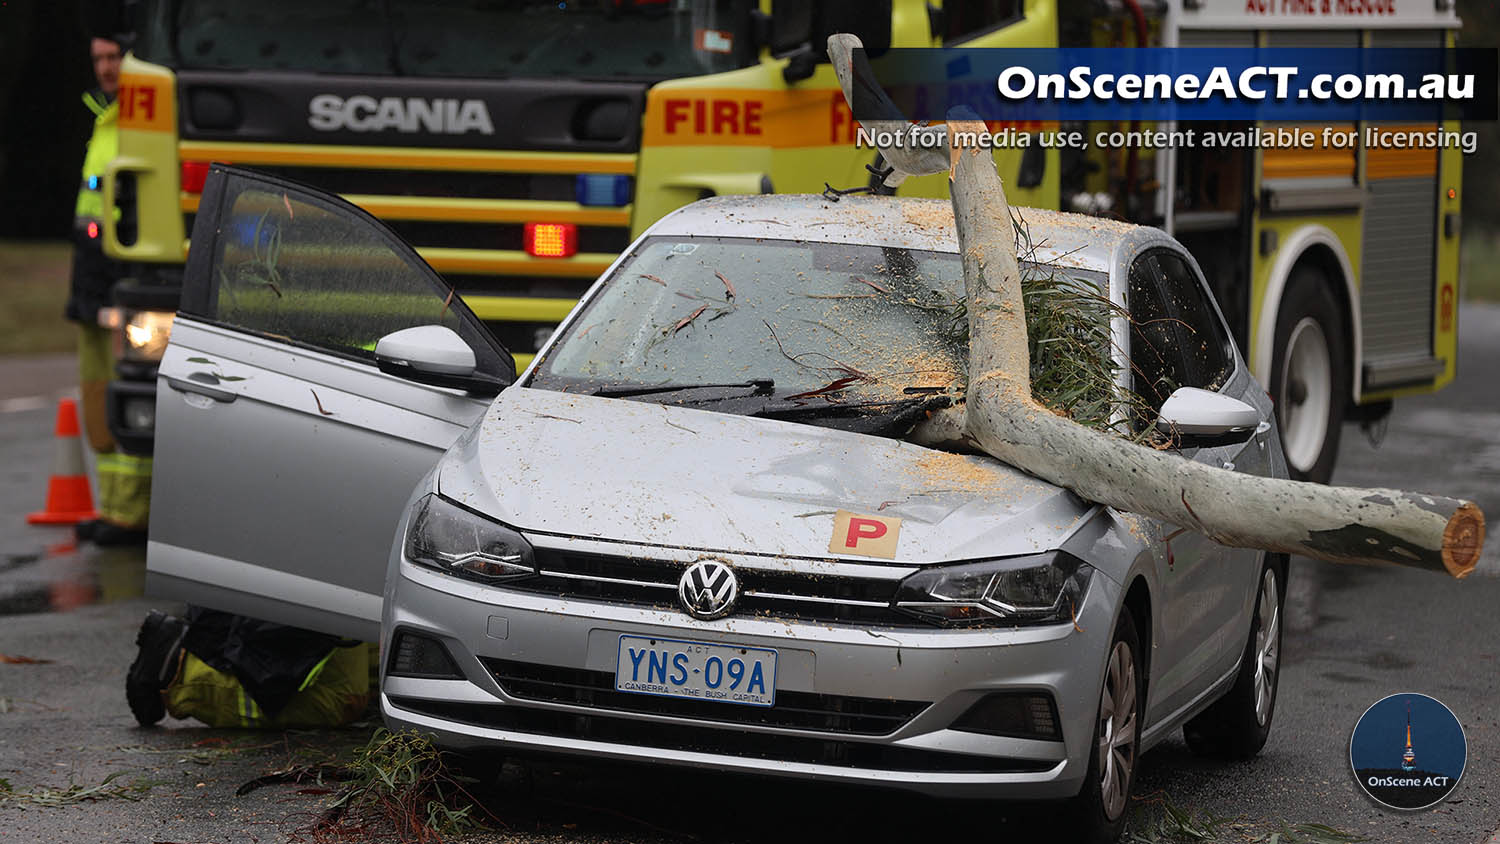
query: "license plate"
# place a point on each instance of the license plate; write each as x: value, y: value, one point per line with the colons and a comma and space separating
x: 696, y: 670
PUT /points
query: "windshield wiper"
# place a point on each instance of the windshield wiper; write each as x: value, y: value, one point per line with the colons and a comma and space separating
x: 820, y: 408
x: 882, y: 417
x: 763, y: 386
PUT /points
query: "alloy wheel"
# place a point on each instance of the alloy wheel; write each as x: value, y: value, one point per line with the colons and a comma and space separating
x: 1267, y: 653
x: 1117, y: 730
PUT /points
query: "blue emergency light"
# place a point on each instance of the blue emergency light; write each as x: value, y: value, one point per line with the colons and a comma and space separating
x: 602, y: 189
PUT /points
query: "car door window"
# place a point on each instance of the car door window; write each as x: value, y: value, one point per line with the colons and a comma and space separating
x: 290, y: 265
x: 1155, y: 367
x: 1176, y: 336
x: 1204, y: 348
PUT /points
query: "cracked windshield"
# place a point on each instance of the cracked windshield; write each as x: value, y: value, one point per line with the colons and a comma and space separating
x: 827, y: 333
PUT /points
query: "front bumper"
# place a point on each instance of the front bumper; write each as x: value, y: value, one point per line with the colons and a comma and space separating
x: 946, y: 670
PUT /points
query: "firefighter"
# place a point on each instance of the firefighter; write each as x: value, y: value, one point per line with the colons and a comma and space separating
x: 230, y: 671
x: 124, y: 479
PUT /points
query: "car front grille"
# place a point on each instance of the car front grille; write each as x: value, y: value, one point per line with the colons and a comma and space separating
x: 645, y: 582
x: 720, y: 741
x: 796, y: 710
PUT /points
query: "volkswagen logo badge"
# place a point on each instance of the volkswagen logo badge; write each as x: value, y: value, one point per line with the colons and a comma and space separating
x: 708, y: 590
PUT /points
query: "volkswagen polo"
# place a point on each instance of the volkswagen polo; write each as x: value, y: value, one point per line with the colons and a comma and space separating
x: 697, y: 530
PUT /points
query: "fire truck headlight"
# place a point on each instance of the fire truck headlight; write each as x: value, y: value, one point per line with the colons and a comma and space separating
x: 146, y: 334
x: 140, y: 414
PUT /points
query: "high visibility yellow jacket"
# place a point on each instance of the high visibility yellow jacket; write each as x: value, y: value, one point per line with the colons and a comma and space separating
x: 104, y: 144
x: 93, y: 273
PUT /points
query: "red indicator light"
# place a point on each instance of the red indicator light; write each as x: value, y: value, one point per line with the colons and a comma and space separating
x: 93, y: 230
x: 551, y: 240
x: 193, y: 175
x: 1452, y: 194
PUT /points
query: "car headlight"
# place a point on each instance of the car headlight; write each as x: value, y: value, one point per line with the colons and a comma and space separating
x: 451, y: 539
x: 1040, y: 589
x: 145, y: 334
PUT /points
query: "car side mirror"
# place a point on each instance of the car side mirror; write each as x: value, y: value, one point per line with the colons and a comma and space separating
x: 434, y: 355
x: 1203, y: 417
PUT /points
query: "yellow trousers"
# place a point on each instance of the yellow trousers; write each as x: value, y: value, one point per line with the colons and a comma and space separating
x: 335, y: 692
x: 124, y: 479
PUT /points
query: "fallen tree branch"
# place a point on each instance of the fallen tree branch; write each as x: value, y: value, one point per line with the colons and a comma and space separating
x: 1000, y: 415
x: 923, y: 149
x: 1338, y: 524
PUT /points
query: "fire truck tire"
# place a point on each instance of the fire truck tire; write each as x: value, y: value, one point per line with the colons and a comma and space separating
x: 1310, y: 374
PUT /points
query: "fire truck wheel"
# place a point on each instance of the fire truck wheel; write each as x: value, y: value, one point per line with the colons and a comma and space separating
x: 1310, y: 375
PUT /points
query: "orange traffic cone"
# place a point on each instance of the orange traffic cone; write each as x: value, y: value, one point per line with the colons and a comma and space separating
x: 68, y: 497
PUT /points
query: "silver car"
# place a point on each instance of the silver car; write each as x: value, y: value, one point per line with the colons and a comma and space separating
x: 694, y: 532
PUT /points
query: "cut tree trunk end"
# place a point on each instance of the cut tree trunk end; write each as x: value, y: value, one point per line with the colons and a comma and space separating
x: 1337, y: 524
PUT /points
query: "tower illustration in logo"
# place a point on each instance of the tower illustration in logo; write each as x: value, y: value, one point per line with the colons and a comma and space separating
x: 1395, y: 779
x: 1409, y: 758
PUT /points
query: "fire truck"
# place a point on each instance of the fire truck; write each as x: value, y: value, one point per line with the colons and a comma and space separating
x: 522, y: 145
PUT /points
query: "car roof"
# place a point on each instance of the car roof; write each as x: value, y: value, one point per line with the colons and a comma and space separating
x: 1070, y: 240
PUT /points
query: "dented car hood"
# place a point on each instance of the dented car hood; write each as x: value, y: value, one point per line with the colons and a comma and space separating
x: 643, y: 473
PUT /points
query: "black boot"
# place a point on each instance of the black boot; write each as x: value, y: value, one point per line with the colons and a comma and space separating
x: 84, y: 531
x: 110, y: 535
x: 160, y: 641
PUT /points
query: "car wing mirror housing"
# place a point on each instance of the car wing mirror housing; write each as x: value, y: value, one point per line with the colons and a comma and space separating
x: 1197, y: 417
x: 433, y: 355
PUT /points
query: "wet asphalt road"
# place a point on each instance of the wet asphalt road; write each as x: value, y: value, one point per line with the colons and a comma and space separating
x: 1355, y: 635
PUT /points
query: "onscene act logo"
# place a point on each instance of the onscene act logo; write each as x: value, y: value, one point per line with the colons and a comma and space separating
x: 1408, y: 751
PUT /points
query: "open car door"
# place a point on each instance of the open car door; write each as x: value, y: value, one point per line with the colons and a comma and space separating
x: 284, y: 452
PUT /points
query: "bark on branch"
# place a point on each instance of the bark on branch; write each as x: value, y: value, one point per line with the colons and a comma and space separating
x: 1338, y: 524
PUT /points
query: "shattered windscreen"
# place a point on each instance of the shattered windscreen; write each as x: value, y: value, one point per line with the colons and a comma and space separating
x: 810, y: 317
x: 860, y: 337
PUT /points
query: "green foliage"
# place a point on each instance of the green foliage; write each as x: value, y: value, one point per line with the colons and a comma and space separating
x: 1159, y: 822
x: 34, y: 287
x: 1479, y: 266
x: 1172, y: 825
x: 1070, y: 343
x: 398, y: 785
x: 1311, y: 833
x: 49, y: 797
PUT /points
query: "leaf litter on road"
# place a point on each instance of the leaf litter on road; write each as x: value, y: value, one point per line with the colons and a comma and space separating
x: 52, y: 797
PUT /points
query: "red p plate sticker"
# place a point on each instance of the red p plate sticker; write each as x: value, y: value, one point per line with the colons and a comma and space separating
x: 867, y: 536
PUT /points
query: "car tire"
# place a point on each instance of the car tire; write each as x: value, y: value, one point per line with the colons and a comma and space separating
x: 1310, y: 374
x: 1097, y: 814
x: 1236, y: 726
